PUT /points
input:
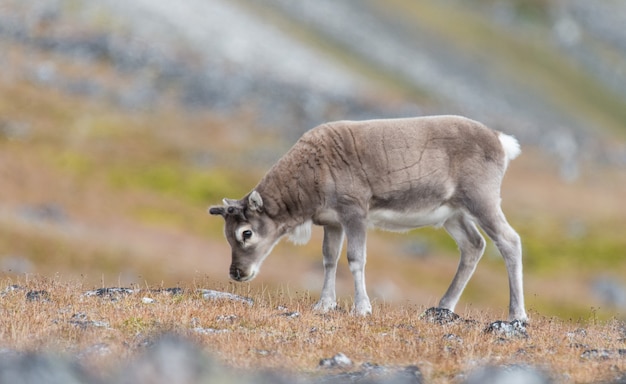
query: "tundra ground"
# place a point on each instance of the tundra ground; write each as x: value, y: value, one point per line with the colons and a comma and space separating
x: 280, y: 331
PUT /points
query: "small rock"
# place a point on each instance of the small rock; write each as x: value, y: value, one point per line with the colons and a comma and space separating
x: 453, y: 337
x: 147, y: 300
x: 291, y: 315
x: 38, y: 296
x: 80, y: 320
x: 339, y: 360
x: 603, y: 354
x: 174, y: 290
x: 599, y: 354
x: 79, y: 316
x: 171, y: 291
x: 227, y: 318
x: 439, y: 316
x: 10, y: 289
x: 263, y: 352
x: 578, y: 333
x: 209, y: 331
x: 507, y: 329
x: 112, y: 293
x: 210, y: 294
x: 99, y: 324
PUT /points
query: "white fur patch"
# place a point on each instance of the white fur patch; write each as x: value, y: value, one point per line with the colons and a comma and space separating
x: 301, y: 234
x: 511, y: 146
x: 404, y: 221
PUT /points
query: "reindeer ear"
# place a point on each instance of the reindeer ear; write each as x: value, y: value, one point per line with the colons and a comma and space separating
x: 217, y: 211
x: 255, y: 202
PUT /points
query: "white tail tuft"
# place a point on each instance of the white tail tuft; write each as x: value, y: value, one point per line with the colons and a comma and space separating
x: 510, y: 145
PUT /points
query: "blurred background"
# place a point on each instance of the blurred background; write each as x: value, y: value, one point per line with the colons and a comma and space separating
x: 122, y: 121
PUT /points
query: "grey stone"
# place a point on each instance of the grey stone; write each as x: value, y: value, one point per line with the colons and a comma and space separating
x: 439, y: 316
x: 81, y: 321
x: 508, y: 329
x: 40, y: 295
x: 210, y: 294
x: 338, y: 361
x: 112, y: 293
x: 209, y: 331
x: 603, y: 354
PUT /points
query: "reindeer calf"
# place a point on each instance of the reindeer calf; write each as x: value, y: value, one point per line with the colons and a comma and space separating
x: 395, y: 174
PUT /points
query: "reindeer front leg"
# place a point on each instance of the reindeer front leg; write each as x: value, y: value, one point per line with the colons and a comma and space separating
x: 331, y: 249
x: 356, y: 230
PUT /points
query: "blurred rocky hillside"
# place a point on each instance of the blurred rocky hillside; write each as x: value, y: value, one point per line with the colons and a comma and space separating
x: 551, y: 72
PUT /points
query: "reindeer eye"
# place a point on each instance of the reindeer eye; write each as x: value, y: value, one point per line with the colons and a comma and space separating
x: 246, y: 234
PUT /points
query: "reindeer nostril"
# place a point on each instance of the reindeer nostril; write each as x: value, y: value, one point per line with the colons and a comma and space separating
x: 235, y: 273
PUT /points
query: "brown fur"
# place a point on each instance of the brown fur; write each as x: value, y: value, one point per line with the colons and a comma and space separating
x: 397, y: 164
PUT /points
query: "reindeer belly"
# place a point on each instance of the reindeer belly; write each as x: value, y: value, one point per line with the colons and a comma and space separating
x: 402, y: 221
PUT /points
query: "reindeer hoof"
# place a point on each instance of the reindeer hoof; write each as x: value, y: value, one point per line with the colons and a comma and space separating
x: 362, y: 309
x: 324, y: 306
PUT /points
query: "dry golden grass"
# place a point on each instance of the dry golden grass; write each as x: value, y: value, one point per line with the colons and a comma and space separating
x: 281, y: 331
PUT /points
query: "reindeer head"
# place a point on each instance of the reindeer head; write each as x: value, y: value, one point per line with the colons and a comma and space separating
x: 250, y: 232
